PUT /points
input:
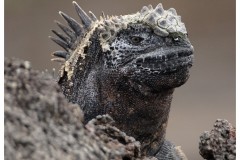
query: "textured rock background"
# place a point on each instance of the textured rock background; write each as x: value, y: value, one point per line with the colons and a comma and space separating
x: 220, y: 142
x: 210, y: 91
x: 41, y: 124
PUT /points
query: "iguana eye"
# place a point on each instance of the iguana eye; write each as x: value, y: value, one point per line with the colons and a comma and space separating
x: 136, y: 39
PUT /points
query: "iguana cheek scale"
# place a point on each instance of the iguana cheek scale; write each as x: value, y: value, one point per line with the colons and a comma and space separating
x: 127, y: 67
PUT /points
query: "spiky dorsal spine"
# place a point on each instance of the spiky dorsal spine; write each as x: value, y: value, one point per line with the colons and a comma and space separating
x: 163, y: 22
x: 73, y: 32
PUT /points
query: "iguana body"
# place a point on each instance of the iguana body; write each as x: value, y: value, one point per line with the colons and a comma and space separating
x: 127, y: 67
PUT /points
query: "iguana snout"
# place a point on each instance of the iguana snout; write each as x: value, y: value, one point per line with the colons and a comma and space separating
x: 165, y: 61
x: 164, y: 67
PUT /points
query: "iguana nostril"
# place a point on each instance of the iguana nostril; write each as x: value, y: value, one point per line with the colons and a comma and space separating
x: 148, y: 59
x: 139, y: 60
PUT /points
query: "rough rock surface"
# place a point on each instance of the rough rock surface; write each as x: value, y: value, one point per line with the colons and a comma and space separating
x: 220, y: 142
x: 41, y: 124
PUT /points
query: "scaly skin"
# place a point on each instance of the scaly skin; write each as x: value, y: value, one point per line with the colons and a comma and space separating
x: 128, y: 67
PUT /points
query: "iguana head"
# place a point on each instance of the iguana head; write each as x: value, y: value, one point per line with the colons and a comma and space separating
x: 149, y: 47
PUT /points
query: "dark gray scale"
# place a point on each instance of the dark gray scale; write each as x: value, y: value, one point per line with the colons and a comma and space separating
x: 168, y: 152
x: 62, y: 54
x: 70, y: 33
x: 62, y: 36
x: 86, y: 20
x: 60, y: 42
x: 77, y: 28
x: 73, y: 32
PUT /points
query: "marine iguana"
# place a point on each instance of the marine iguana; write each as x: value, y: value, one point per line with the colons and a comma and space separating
x: 127, y: 67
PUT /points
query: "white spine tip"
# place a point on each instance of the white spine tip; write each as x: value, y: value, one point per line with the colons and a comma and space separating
x: 61, y: 13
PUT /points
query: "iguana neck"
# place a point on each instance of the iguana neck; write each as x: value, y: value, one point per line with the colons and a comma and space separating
x: 136, y: 110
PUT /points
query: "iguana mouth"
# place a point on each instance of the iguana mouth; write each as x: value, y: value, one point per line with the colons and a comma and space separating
x: 165, y: 62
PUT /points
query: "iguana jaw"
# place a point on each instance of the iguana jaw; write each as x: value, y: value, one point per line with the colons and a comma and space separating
x: 165, y: 60
x: 162, y: 68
